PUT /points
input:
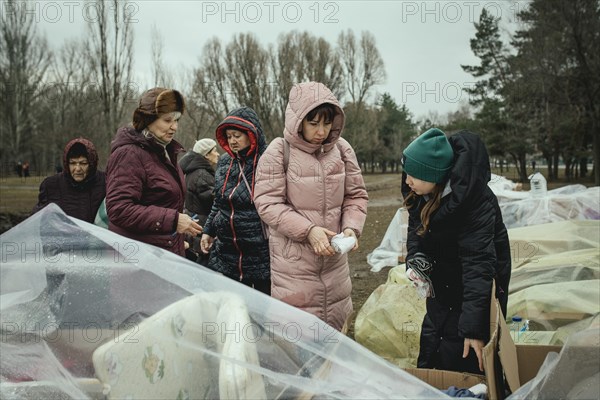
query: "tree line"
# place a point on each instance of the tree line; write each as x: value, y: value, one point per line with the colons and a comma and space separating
x: 535, y: 95
x: 538, y: 93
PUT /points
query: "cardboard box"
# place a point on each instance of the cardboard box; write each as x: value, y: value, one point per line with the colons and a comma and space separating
x: 444, y: 379
x: 505, y: 363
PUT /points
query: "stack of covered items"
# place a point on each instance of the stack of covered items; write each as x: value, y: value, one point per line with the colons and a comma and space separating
x: 555, y: 282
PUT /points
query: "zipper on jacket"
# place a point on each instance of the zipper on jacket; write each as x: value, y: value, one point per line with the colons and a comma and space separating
x: 323, y: 215
x: 231, y: 223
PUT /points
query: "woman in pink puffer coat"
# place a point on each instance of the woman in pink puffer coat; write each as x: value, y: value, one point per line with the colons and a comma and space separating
x: 307, y: 191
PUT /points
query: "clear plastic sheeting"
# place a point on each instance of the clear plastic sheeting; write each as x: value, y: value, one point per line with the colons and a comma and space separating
x: 552, y: 207
x: 392, y: 249
x: 555, y: 282
x: 500, y: 184
x: 86, y: 313
x: 574, y: 373
x: 541, y: 206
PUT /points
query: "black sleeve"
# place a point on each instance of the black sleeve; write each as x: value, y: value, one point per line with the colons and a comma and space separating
x: 478, y: 257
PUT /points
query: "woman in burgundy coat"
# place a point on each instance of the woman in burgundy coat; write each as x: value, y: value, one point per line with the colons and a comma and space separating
x: 145, y: 185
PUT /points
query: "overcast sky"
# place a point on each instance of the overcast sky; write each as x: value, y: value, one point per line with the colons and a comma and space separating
x: 423, y: 43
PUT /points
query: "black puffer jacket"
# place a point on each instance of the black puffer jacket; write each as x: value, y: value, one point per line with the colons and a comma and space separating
x: 468, y: 241
x: 240, y: 249
x: 200, y: 183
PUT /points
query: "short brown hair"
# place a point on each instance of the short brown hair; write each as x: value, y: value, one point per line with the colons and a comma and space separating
x: 326, y: 111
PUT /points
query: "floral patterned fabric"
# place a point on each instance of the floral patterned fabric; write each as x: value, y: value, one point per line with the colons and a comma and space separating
x: 175, y: 354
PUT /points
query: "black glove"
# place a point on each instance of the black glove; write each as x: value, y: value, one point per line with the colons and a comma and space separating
x: 418, y: 270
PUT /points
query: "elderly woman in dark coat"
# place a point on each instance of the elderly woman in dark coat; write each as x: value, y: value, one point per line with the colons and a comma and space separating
x: 458, y: 242
x: 80, y: 188
x: 233, y: 229
x: 145, y: 185
x: 198, y: 165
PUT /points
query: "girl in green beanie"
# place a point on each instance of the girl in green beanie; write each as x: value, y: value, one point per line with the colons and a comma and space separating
x: 457, y: 245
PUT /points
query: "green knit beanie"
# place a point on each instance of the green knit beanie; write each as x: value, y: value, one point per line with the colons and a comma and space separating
x: 429, y: 157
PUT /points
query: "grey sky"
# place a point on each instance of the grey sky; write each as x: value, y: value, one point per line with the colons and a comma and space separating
x: 422, y: 43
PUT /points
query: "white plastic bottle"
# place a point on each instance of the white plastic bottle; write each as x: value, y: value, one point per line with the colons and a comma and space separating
x: 538, y: 184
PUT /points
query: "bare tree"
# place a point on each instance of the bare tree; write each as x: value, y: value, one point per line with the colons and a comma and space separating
x: 70, y: 107
x: 158, y: 65
x: 24, y: 60
x: 211, y: 85
x: 362, y: 64
x: 111, y: 59
x: 250, y: 78
x: 301, y: 57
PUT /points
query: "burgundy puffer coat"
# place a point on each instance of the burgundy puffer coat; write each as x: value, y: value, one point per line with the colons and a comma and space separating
x: 77, y: 199
x: 145, y: 190
x: 323, y: 186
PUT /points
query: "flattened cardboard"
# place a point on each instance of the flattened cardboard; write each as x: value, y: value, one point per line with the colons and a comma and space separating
x: 442, y: 380
x: 507, y: 352
x: 530, y: 359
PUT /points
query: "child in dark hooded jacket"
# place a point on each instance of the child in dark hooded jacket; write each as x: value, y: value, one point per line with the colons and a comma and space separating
x: 457, y: 241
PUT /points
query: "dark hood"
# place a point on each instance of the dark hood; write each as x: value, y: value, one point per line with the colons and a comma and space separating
x: 470, y: 173
x: 92, y: 156
x: 193, y: 161
x: 246, y: 120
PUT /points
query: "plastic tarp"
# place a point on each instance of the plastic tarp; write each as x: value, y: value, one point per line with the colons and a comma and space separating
x: 392, y: 249
x: 555, y: 281
x: 568, y: 203
x: 86, y: 313
x: 519, y: 208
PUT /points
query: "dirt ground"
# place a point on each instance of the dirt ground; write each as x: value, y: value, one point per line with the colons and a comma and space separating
x: 384, y: 201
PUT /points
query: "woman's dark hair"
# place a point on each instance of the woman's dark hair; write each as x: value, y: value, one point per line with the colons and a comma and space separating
x: 435, y: 198
x: 324, y: 111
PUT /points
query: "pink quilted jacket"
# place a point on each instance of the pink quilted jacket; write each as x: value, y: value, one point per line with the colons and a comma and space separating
x: 322, y: 187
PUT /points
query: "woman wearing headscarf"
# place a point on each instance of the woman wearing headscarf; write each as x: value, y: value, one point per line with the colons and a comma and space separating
x: 80, y: 188
x: 145, y: 185
x: 233, y: 232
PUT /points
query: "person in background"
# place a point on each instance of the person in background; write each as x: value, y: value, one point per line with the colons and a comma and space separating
x: 233, y: 232
x: 198, y: 165
x: 145, y: 185
x: 457, y: 244
x: 26, y: 169
x: 321, y: 194
x: 80, y: 188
